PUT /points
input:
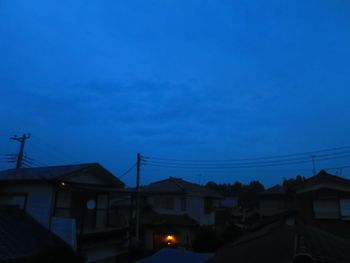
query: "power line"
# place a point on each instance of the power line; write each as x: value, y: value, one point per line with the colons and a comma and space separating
x: 209, y: 164
x: 34, y: 161
x: 308, y: 153
x: 242, y: 165
x: 127, y: 171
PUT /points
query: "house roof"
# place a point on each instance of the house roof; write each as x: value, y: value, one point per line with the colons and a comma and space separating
x: 321, y: 245
x: 275, y: 190
x: 324, y: 175
x: 281, y: 243
x: 326, y: 180
x: 179, y: 186
x: 22, y: 238
x: 54, y: 173
x: 176, y: 255
x: 151, y: 217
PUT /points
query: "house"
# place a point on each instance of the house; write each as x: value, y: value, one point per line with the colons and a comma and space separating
x: 71, y: 201
x: 23, y: 239
x: 172, y: 209
x: 224, y: 212
x: 229, y: 202
x: 284, y: 241
x: 275, y: 200
x: 323, y: 200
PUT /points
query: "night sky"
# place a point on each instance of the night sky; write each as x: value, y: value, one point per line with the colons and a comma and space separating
x: 99, y: 81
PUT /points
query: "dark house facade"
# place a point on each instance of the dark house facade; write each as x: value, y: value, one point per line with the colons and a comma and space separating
x: 322, y: 200
x: 73, y: 202
x: 173, y: 208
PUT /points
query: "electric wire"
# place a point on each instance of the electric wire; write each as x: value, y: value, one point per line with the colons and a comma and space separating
x: 250, y: 159
x: 127, y: 171
x: 243, y: 165
x: 317, y: 157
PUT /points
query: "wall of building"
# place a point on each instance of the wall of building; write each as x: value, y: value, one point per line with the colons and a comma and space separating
x: 39, y: 199
x: 229, y: 202
x: 269, y: 206
x: 194, y: 208
x: 85, y: 178
x: 305, y: 208
x: 65, y: 228
x: 159, y: 208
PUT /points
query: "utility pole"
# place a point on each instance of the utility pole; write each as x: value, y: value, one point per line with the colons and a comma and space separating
x: 137, y: 212
x: 22, y: 141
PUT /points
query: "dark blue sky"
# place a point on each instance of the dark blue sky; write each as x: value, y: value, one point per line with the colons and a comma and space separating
x: 102, y: 80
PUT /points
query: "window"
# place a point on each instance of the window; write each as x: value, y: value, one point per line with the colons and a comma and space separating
x: 18, y: 200
x: 208, y: 205
x: 164, y: 202
x: 63, y: 203
x: 345, y: 208
x: 102, y: 210
x: 183, y: 204
x: 326, y: 208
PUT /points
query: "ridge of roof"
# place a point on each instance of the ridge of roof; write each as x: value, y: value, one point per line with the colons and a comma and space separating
x: 275, y: 190
x: 50, y: 167
x: 323, y: 175
x: 175, y: 180
x: 178, y: 185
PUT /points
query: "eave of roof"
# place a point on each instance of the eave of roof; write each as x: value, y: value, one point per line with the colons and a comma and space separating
x: 53, y: 173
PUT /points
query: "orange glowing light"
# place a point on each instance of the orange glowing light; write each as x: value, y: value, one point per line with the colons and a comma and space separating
x: 170, y: 240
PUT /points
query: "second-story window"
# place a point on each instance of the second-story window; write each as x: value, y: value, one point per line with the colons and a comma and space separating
x: 208, y: 205
x: 327, y: 208
x: 164, y: 202
x: 183, y: 204
x: 345, y: 208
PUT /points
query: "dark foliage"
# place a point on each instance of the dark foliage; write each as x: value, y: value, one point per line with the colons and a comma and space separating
x: 292, y: 182
x: 247, y: 194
